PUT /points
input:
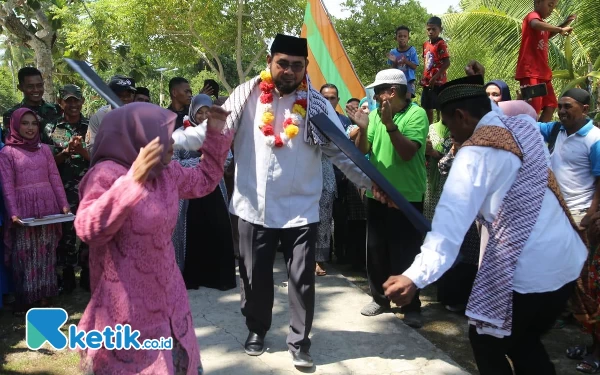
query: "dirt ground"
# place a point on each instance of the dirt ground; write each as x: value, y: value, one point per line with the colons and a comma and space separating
x: 446, y: 330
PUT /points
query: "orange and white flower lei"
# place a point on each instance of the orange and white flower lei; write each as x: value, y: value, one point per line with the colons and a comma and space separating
x: 293, y: 118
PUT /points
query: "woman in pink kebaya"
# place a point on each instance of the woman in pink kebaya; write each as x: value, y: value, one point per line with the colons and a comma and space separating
x: 31, y: 187
x: 128, y: 210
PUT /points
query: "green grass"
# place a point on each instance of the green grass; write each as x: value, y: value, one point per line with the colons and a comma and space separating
x: 16, y: 358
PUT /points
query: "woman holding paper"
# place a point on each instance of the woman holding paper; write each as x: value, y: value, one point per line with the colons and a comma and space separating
x: 32, y: 188
x: 128, y: 210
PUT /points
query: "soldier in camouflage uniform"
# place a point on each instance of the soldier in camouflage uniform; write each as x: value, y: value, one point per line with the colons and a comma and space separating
x: 31, y: 84
x: 66, y: 137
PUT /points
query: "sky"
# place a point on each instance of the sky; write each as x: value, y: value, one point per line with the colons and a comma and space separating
x: 433, y: 6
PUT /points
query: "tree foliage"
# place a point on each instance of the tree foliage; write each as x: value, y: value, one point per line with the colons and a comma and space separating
x: 7, y: 93
x: 183, y: 33
x: 32, y: 24
x: 368, y: 34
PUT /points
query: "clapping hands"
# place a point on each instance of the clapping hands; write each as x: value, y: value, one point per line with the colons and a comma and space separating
x: 359, y: 117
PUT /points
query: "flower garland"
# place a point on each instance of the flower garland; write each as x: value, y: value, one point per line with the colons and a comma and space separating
x: 293, y: 118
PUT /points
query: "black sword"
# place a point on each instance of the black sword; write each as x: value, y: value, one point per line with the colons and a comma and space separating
x: 92, y: 78
x: 328, y: 128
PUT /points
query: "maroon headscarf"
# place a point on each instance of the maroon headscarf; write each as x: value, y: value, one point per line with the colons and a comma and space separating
x: 124, y: 131
x: 14, y: 138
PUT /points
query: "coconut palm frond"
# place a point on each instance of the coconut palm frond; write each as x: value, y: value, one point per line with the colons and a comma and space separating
x: 581, y: 81
x: 588, y: 14
x: 514, y: 8
x: 471, y: 38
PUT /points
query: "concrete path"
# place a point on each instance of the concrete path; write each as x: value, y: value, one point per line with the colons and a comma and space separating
x: 343, y: 341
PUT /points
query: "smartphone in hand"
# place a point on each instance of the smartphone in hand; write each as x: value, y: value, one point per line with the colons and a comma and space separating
x: 535, y: 91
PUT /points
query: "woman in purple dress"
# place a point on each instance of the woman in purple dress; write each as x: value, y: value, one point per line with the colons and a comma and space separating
x: 128, y: 211
x: 31, y: 187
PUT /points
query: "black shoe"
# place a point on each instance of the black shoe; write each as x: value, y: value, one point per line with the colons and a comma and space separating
x: 301, y: 359
x: 255, y: 344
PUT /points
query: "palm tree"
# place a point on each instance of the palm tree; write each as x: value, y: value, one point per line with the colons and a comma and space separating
x: 16, y: 55
x: 490, y: 31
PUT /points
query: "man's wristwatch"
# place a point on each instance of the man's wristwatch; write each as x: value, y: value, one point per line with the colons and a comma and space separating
x: 393, y: 130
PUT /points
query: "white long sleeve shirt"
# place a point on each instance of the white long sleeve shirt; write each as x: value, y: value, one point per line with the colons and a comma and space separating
x: 478, y: 182
x: 276, y: 187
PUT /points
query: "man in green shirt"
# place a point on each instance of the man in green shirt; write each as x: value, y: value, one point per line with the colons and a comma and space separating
x: 31, y: 84
x: 396, y: 136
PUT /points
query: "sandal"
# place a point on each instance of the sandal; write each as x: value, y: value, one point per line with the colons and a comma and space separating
x: 320, y: 271
x: 578, y: 352
x: 589, y: 366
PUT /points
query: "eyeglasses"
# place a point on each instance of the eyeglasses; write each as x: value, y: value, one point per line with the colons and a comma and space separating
x: 285, y: 65
x: 330, y: 98
x: 381, y: 89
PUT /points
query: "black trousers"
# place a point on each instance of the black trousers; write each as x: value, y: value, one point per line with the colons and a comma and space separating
x: 533, y: 315
x: 258, y: 246
x: 357, y: 243
x: 392, y: 245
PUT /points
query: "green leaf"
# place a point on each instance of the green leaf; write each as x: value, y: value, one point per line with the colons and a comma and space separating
x: 597, y: 64
x: 574, y: 83
x: 594, y: 74
x: 122, y: 50
x: 561, y: 74
x: 569, y: 56
x: 103, y: 65
x: 56, y: 23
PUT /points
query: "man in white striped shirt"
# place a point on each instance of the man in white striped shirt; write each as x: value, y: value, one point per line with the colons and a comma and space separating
x: 546, y: 251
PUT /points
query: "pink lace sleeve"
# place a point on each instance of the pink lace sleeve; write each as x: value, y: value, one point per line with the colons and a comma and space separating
x: 204, y: 178
x: 107, y: 196
x: 7, y: 176
x: 55, y: 180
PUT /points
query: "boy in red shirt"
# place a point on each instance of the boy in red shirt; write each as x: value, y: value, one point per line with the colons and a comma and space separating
x: 532, y: 66
x: 437, y: 62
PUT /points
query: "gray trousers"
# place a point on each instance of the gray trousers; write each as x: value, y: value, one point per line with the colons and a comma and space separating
x: 258, y: 246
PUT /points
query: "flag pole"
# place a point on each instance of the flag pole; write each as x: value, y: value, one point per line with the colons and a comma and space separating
x: 343, y: 47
